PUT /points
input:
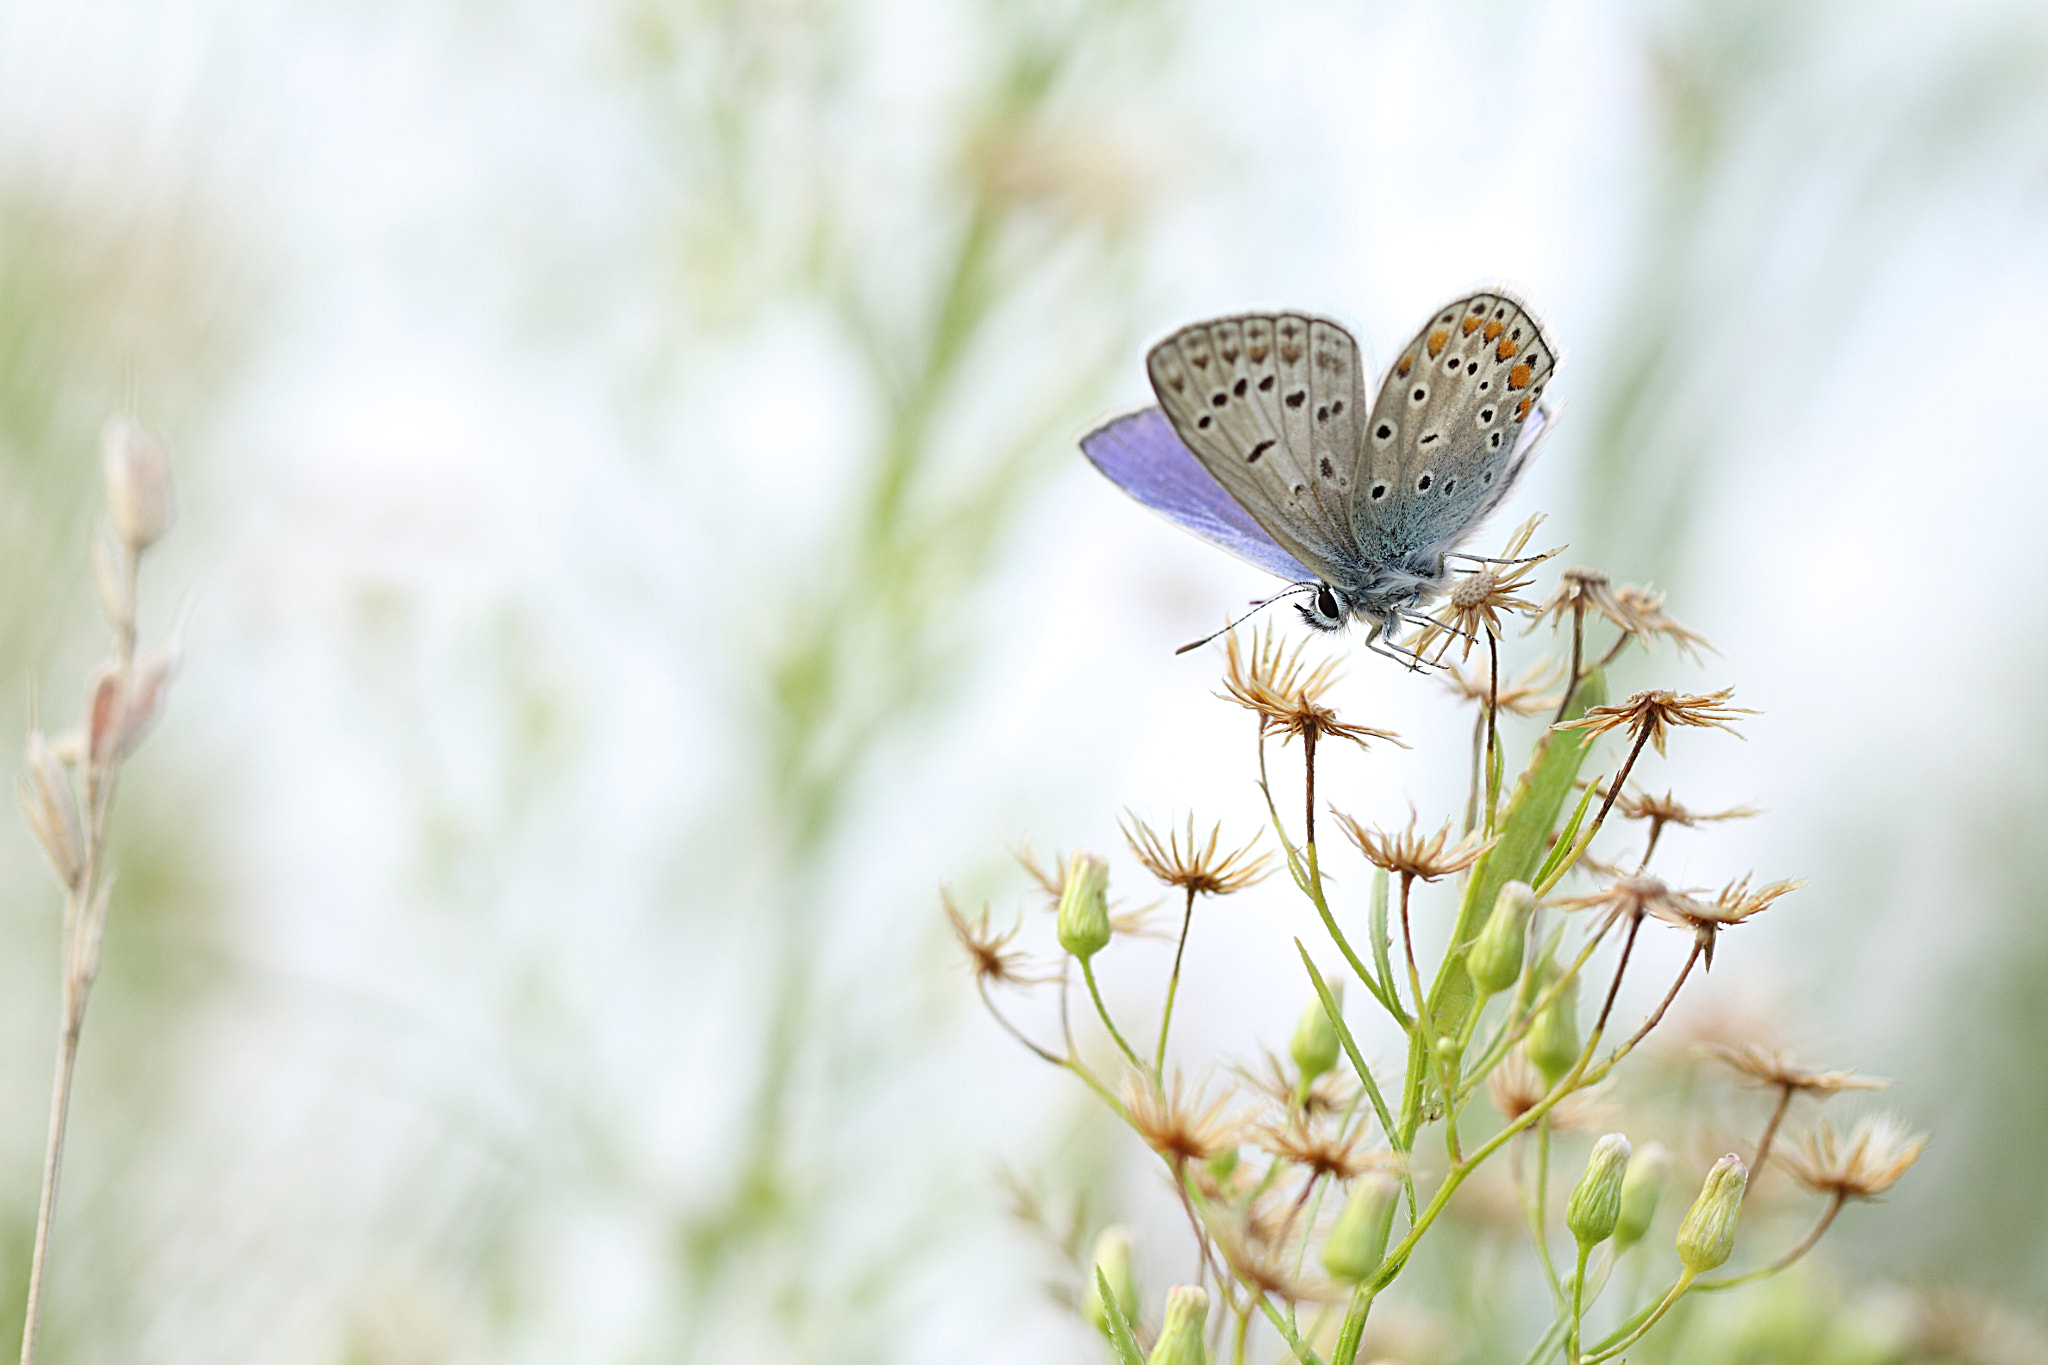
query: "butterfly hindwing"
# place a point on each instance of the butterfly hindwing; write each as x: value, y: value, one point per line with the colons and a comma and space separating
x: 1269, y: 404
x: 1453, y: 426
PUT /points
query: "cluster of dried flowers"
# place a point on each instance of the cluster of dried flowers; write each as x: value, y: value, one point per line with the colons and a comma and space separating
x: 1308, y: 1185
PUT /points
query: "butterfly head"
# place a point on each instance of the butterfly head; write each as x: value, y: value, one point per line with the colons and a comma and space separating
x: 1326, y: 608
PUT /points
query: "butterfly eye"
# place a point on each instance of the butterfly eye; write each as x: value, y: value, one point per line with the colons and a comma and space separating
x: 1326, y: 601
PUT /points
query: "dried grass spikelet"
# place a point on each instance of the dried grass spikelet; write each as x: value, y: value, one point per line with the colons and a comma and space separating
x: 1413, y: 854
x: 1477, y: 600
x: 1197, y: 869
x: 1272, y: 684
x: 1878, y: 1151
x: 1774, y: 1069
x: 989, y: 954
x: 1650, y: 714
x: 1523, y: 696
x: 1183, y: 1124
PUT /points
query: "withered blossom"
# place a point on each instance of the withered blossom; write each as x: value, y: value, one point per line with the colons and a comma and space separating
x: 1878, y: 1151
x: 1182, y: 1125
x: 1330, y: 1093
x: 1644, y: 609
x: 1579, y: 590
x: 1260, y: 1254
x: 1633, y: 897
x: 1413, y: 854
x: 1288, y: 700
x: 1320, y: 1150
x: 1735, y: 903
x: 1650, y: 714
x: 1516, y: 1086
x: 1664, y: 810
x: 989, y: 954
x: 1771, y: 1068
x: 1523, y: 696
x: 1476, y: 601
x: 1197, y: 869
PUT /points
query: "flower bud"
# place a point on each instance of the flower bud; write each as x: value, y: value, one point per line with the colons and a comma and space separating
x: 1113, y: 1259
x: 138, y: 479
x: 1640, y: 1189
x: 1084, y: 906
x: 1595, y: 1204
x: 1358, y: 1243
x: 1707, y: 1235
x: 1315, y: 1044
x: 1495, y: 959
x: 1180, y: 1337
x: 1553, y: 1042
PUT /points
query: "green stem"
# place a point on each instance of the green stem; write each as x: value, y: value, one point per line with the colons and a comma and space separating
x: 1586, y: 840
x: 1571, y: 1350
x: 1172, y: 984
x: 1678, y: 1289
x: 1352, y: 1333
x: 1101, y: 1009
x: 1806, y: 1244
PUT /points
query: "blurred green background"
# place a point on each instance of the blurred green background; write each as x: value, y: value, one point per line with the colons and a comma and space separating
x: 633, y: 550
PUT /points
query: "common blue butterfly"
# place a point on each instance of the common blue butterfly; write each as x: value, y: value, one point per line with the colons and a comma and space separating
x: 1262, y: 444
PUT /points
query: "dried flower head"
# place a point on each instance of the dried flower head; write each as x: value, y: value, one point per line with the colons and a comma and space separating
x: 1287, y: 700
x: 1667, y: 810
x: 1643, y: 609
x: 1523, y: 696
x: 1182, y: 1125
x: 1580, y: 590
x: 1328, y: 1094
x: 1633, y: 897
x: 1411, y: 853
x: 1735, y: 903
x: 1876, y: 1154
x: 989, y: 954
x: 1321, y: 1150
x: 1771, y: 1068
x: 1650, y: 714
x: 1197, y: 869
x: 1516, y: 1087
x: 1477, y: 600
x: 1257, y: 1247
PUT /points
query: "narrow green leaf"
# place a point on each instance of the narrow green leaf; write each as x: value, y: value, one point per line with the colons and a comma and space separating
x: 1520, y: 847
x: 1562, y: 849
x: 1372, y: 1089
x: 1121, y: 1338
x: 1377, y: 928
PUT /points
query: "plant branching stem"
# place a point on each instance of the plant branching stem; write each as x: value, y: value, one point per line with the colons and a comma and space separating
x: 1088, y: 973
x: 1173, y: 984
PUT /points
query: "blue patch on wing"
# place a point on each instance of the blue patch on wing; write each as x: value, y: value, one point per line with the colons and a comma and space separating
x: 1141, y: 454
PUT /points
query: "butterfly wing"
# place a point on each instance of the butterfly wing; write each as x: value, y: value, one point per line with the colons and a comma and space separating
x: 1270, y: 404
x: 1455, y: 423
x: 1141, y: 455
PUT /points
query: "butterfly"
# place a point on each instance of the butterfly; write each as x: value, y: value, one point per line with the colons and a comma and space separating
x: 1262, y: 444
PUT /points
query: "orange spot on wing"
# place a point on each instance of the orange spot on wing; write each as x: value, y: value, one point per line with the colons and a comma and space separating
x: 1518, y: 377
x: 1505, y: 349
x: 1493, y: 329
x: 1523, y: 410
x: 1469, y: 326
x: 1436, y: 342
x: 1407, y: 364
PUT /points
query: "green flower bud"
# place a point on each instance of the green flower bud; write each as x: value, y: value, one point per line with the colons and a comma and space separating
x: 1222, y: 1164
x: 1180, y: 1338
x: 1707, y: 1235
x: 1595, y: 1204
x: 1113, y: 1259
x: 1640, y: 1189
x: 1084, y: 906
x: 1553, y: 1042
x: 1358, y: 1244
x: 1496, y: 956
x: 1315, y: 1044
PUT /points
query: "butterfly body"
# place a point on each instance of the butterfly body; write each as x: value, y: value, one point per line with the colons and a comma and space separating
x: 1262, y: 443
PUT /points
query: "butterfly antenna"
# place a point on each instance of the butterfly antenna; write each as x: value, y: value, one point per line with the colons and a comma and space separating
x: 1257, y: 607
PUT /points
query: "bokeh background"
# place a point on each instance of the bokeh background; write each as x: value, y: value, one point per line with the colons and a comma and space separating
x: 633, y: 551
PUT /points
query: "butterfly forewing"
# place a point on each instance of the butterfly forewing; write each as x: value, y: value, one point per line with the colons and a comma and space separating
x: 1452, y: 426
x: 1270, y: 406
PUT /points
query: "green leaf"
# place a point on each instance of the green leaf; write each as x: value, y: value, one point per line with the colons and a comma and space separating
x: 1377, y: 928
x: 1520, y: 848
x: 1372, y: 1090
x: 1119, y: 1329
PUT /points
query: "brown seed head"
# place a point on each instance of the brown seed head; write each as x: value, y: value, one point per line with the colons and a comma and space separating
x: 1870, y: 1162
x: 1516, y: 1087
x: 1198, y: 868
x: 989, y: 954
x: 1634, y: 897
x: 1655, y: 712
x: 1477, y: 600
x: 1665, y: 810
x: 1523, y: 696
x: 1580, y: 590
x: 1769, y: 1067
x: 1735, y: 903
x: 1321, y: 1151
x: 1329, y: 1094
x: 1411, y: 853
x: 1287, y: 699
x: 1180, y: 1125
x: 1643, y: 610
